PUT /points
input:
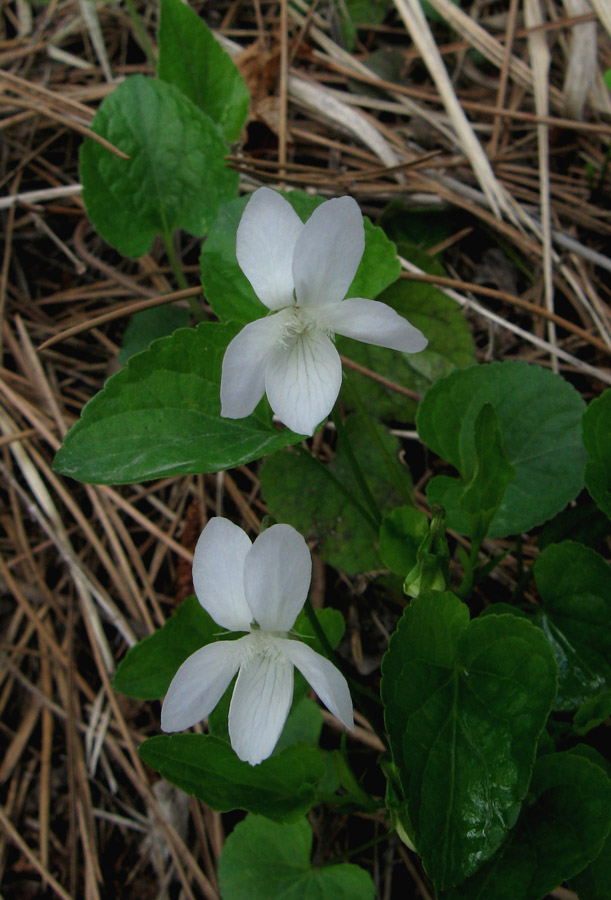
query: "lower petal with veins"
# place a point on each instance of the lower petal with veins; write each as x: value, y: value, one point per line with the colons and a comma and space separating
x: 260, y: 703
x: 303, y: 379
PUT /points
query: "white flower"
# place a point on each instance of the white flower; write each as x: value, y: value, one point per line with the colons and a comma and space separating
x: 301, y: 273
x: 259, y: 588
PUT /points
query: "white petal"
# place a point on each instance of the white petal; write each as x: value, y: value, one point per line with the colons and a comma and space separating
x: 325, y: 678
x: 265, y: 242
x: 259, y: 706
x: 374, y: 323
x: 328, y: 252
x: 218, y: 573
x: 199, y: 684
x: 243, y: 374
x: 303, y: 379
x: 277, y: 575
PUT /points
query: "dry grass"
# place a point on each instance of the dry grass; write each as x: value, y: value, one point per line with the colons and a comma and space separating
x: 86, y: 571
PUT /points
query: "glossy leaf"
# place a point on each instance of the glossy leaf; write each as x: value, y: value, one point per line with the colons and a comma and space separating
x: 465, y: 703
x: 160, y: 416
x: 574, y: 583
x: 539, y: 416
x: 191, y: 58
x: 304, y: 493
x: 597, y: 441
x: 262, y: 860
x: 281, y: 787
x: 561, y: 829
x: 229, y: 292
x: 175, y: 176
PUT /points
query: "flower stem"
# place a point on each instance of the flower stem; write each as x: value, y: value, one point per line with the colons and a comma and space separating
x: 466, y: 585
x: 170, y: 250
x: 356, y: 469
x: 395, y: 473
x: 326, y: 471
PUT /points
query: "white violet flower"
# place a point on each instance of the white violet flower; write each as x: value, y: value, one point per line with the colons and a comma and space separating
x: 302, y: 272
x: 259, y: 588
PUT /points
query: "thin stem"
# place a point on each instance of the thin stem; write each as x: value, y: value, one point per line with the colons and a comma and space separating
x: 391, y: 463
x: 356, y: 469
x: 319, y: 632
x: 326, y: 471
x: 350, y: 853
x: 466, y: 585
x: 170, y: 250
x: 143, y: 38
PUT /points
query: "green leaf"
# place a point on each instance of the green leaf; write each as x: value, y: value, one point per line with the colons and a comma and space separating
x: 303, y: 492
x: 303, y: 726
x: 493, y: 472
x: 147, y: 669
x: 229, y: 292
x: 593, y: 882
x: 360, y: 12
x: 592, y: 713
x: 160, y: 416
x: 262, y: 860
x: 401, y: 533
x: 582, y: 522
x: 465, y: 703
x: 281, y: 787
x: 330, y: 620
x: 149, y: 325
x: 191, y: 58
x: 417, y: 229
x: 450, y: 346
x: 574, y: 583
x: 597, y: 441
x: 562, y: 828
x: 539, y: 416
x: 175, y: 176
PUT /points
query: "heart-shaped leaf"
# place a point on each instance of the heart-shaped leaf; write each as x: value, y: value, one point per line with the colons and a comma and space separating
x: 539, y: 416
x: 262, y: 860
x: 465, y: 703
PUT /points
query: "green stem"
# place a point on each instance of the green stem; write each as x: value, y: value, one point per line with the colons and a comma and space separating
x: 395, y: 473
x: 356, y: 469
x: 466, y: 585
x: 142, y: 36
x: 372, y: 843
x: 170, y: 250
x: 327, y: 473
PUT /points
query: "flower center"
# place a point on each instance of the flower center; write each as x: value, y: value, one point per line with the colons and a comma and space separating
x: 296, y: 322
x: 261, y: 643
